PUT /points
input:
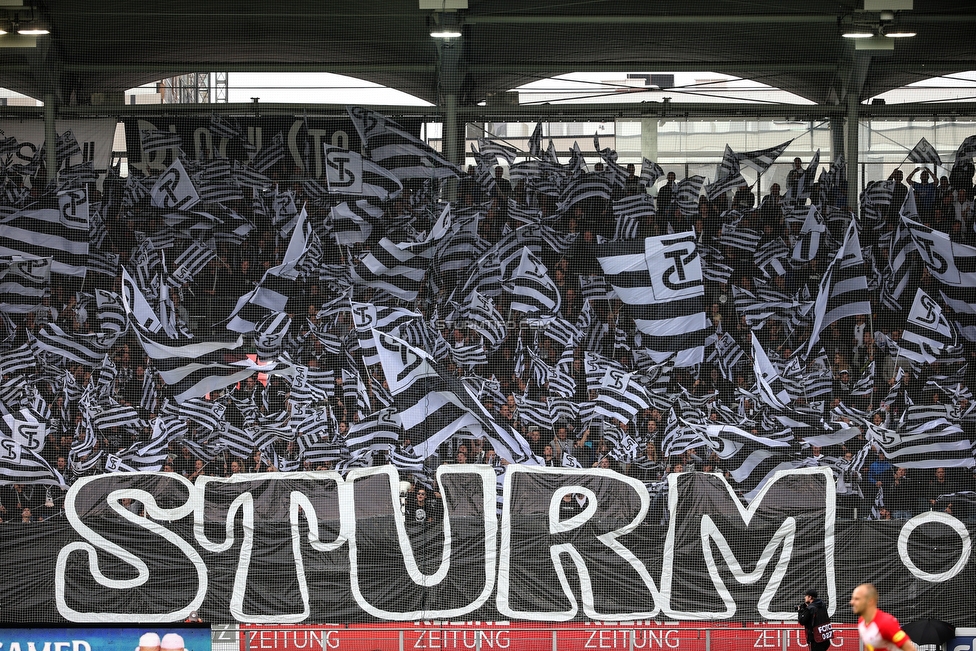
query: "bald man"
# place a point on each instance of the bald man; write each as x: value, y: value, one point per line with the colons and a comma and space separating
x: 148, y: 642
x: 878, y: 629
x: 172, y: 642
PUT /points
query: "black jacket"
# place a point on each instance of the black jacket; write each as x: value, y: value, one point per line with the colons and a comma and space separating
x: 813, y: 617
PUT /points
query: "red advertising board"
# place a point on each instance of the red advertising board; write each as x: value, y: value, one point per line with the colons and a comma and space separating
x: 529, y: 636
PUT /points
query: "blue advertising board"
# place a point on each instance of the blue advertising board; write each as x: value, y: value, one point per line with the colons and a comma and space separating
x: 196, y: 638
x: 965, y: 640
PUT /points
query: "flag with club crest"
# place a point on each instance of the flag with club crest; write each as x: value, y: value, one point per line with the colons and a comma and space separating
x: 924, y: 154
x: 660, y: 281
x: 927, y: 332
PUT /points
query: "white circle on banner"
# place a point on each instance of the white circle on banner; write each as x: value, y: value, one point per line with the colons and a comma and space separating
x: 937, y: 517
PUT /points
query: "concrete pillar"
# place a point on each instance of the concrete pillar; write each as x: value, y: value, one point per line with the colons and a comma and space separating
x: 453, y: 132
x: 453, y: 141
x: 649, y: 141
x: 50, y: 138
x: 853, y: 162
x: 649, y: 138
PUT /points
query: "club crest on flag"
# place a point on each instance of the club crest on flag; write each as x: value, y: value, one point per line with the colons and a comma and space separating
x: 927, y: 313
x: 174, y: 189
x: 675, y: 266
x: 343, y: 170
x: 74, y: 207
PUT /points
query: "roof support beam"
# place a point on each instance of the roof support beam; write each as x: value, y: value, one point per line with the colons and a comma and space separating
x: 165, y: 69
x: 529, y: 113
x: 649, y: 66
x: 690, y: 19
x: 649, y: 19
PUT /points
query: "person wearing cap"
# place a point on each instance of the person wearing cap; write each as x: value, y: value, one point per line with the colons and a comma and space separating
x: 813, y: 617
x: 171, y: 642
x: 148, y: 642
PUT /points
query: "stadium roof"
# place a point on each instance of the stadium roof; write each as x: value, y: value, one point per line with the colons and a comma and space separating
x: 795, y: 45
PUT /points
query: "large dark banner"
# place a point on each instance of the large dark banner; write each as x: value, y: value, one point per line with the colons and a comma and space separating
x: 303, y: 139
x: 569, y: 545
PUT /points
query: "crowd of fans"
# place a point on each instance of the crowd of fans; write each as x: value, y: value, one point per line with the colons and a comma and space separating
x: 944, y: 202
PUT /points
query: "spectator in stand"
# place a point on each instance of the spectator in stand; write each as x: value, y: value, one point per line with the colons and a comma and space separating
x: 744, y: 199
x: 939, y: 491
x: 962, y: 209
x: 925, y: 189
x: 666, y: 194
x: 793, y: 181
x: 548, y: 458
x: 632, y: 184
x: 879, y: 472
x: 901, y: 495
x: 898, y: 193
x: 961, y: 176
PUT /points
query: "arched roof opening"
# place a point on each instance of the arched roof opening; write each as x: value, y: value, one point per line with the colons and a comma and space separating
x: 676, y: 87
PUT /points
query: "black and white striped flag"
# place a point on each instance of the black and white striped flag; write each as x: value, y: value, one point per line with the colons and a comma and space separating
x: 650, y: 172
x: 629, y: 213
x: 620, y: 396
x: 174, y: 189
x: 531, y: 287
x: 392, y: 267
x: 843, y: 289
x: 927, y: 332
x: 587, y: 186
x: 86, y: 349
x: 270, y: 154
x: 368, y: 317
x: 153, y: 140
x: 345, y: 173
x: 61, y: 235
x: 24, y: 284
x: 378, y: 432
x: 771, y: 258
x: 399, y: 151
x: 924, y: 153
x: 687, y: 193
x: 352, y: 222
x: 661, y: 282
x: 535, y: 141
x: 771, y: 387
x: 761, y: 159
x: 745, y: 239
x: 495, y: 149
x: 807, y: 243
x: 21, y: 465
x: 484, y: 318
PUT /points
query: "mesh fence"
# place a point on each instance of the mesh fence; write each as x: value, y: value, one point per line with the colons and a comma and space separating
x: 347, y: 366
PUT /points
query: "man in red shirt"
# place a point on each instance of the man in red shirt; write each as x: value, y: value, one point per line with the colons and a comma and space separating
x: 878, y: 629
